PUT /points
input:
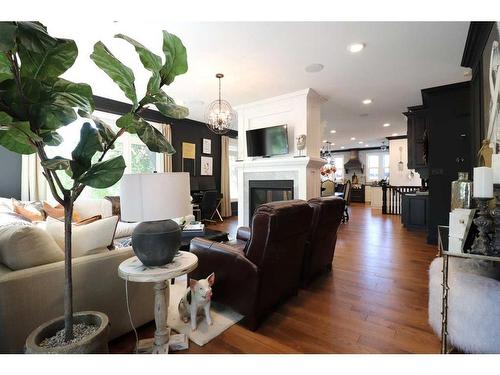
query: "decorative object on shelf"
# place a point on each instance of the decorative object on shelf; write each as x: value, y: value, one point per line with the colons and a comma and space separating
x: 460, y: 223
x: 301, y: 144
x: 461, y: 192
x: 206, y: 166
x: 485, y: 154
x: 219, y: 114
x: 400, y: 163
x: 483, y: 243
x: 153, y: 200
x: 207, y: 146
x: 355, y: 179
x: 483, y: 182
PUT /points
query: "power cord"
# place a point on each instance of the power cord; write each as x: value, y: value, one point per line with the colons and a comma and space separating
x: 130, y: 319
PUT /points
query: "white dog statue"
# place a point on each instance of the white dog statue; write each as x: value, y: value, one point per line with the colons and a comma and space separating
x: 197, y: 299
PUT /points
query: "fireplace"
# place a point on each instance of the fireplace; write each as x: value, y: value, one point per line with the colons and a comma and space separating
x: 264, y: 191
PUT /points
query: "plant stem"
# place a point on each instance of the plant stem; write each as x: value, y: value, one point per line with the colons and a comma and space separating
x: 68, y: 283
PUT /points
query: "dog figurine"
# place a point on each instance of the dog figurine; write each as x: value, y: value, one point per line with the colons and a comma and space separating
x: 197, y: 298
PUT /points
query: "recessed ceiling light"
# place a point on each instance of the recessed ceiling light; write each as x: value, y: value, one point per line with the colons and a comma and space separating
x: 353, y: 138
x: 314, y: 68
x: 342, y: 147
x: 333, y: 144
x: 367, y: 101
x: 367, y: 145
x: 355, y: 47
x: 325, y: 140
x: 394, y: 134
x: 386, y: 125
x: 333, y: 131
x: 360, y: 142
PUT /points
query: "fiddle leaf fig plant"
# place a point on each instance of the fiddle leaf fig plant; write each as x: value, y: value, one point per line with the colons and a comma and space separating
x: 35, y: 101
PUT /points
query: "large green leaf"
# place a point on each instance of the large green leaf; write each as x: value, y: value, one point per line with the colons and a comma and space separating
x: 176, y: 58
x: 56, y: 163
x: 166, y: 105
x: 13, y: 101
x: 49, y: 116
x: 5, y: 72
x: 7, y: 36
x: 70, y: 94
x: 90, y: 143
x: 121, y: 74
x: 52, y: 138
x: 106, y: 132
x: 16, y: 136
x: 33, y: 36
x: 153, y: 138
x: 155, y: 141
x: 150, y: 60
x: 50, y: 62
x: 104, y: 174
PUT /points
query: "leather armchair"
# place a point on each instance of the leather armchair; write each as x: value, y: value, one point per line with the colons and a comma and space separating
x: 255, y: 279
x: 320, y: 246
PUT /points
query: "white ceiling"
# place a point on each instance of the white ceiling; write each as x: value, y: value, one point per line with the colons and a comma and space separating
x: 265, y: 59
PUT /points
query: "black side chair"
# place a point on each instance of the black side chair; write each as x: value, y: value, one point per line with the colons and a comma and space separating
x: 347, y: 199
x: 209, y: 205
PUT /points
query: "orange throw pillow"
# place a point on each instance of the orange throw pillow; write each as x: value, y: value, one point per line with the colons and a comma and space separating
x: 29, y: 213
x: 57, y: 212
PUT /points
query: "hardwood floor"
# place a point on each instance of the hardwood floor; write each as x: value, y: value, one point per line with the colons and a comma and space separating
x: 374, y: 301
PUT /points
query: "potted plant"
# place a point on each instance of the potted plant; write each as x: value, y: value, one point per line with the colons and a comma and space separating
x: 35, y: 102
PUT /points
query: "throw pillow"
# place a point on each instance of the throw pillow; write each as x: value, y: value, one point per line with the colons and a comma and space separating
x: 30, y: 210
x: 27, y: 246
x: 57, y: 212
x: 85, y: 238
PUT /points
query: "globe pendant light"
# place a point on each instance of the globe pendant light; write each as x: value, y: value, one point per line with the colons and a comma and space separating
x: 219, y: 114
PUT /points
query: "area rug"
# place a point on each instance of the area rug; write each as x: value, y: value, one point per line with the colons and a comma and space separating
x: 222, y: 316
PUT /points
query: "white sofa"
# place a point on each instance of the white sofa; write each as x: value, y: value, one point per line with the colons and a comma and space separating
x: 31, y: 296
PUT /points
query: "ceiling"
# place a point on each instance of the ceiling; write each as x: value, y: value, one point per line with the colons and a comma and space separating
x: 261, y: 60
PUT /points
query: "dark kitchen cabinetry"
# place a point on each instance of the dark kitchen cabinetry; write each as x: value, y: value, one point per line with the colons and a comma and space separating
x: 441, y: 143
x: 417, y: 139
x: 415, y: 211
x: 358, y: 194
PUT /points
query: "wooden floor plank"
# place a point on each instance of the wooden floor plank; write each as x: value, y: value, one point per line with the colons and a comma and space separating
x: 374, y: 301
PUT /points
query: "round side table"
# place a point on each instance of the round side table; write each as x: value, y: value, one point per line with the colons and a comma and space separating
x: 133, y: 270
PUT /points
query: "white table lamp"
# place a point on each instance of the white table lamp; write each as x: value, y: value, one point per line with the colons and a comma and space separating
x: 154, y: 199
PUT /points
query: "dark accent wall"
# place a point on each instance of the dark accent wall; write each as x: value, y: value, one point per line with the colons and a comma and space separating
x: 10, y: 174
x: 184, y: 130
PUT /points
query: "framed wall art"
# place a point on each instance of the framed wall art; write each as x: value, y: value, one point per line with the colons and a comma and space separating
x: 206, y: 146
x: 206, y: 166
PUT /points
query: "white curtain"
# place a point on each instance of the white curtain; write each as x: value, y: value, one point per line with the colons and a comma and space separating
x: 166, y: 130
x: 33, y: 183
x: 224, y: 183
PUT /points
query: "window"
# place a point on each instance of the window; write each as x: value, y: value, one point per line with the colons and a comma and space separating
x: 138, y: 158
x: 373, y: 167
x: 339, y: 165
x: 386, y: 166
x: 233, y: 173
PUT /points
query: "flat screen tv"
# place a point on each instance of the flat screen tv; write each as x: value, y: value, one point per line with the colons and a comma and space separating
x: 267, y: 141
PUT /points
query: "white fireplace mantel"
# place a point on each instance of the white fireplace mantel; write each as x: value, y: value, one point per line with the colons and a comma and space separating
x: 304, y: 171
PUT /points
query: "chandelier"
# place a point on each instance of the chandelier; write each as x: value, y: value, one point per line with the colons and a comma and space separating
x: 219, y: 114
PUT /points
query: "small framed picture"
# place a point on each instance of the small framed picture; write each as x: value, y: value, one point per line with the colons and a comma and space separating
x: 206, y: 166
x: 207, y: 146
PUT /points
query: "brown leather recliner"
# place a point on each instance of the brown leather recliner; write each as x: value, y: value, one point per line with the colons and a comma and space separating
x: 253, y: 278
x: 320, y: 246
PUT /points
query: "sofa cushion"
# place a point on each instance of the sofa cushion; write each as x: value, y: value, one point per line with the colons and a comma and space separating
x: 27, y: 246
x: 85, y: 238
x: 124, y: 229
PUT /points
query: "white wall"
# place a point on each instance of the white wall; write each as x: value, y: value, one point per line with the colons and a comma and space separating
x: 299, y: 110
x: 397, y: 177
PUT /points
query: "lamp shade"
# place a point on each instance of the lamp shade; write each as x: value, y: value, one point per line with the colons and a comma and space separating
x: 154, y: 196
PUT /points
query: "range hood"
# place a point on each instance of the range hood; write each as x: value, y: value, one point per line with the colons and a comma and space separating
x: 353, y: 164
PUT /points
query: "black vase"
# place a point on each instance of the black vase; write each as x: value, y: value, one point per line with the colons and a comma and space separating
x: 156, y: 242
